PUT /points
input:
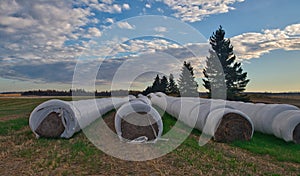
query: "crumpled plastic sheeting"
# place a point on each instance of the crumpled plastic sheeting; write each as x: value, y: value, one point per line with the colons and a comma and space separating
x: 138, y: 105
x: 75, y: 115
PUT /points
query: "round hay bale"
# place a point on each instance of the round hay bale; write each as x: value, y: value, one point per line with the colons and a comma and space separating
x: 285, y: 125
x: 252, y: 110
x: 139, y: 124
x: 51, y: 127
x: 233, y: 127
x: 296, y: 134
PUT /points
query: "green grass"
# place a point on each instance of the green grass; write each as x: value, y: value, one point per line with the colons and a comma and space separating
x: 267, y: 144
x: 261, y: 144
x: 8, y: 127
x: 20, y: 106
x: 10, y: 107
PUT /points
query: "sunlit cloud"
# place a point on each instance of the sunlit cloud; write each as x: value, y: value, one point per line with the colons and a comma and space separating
x: 254, y: 45
x: 192, y: 11
x: 125, y: 25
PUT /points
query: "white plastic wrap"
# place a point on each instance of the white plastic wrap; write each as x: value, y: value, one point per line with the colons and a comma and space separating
x: 138, y: 105
x: 202, y: 114
x: 284, y: 124
x: 144, y: 98
x: 66, y: 110
x: 75, y: 115
x: 215, y: 116
x: 277, y: 119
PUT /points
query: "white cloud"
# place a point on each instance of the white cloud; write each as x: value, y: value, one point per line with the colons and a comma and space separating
x: 145, y: 56
x: 293, y: 29
x: 94, y: 20
x: 253, y: 45
x: 94, y: 32
x: 107, y: 1
x: 36, y: 31
x: 160, y: 29
x: 148, y: 6
x: 15, y: 22
x: 109, y: 8
x: 109, y: 20
x: 125, y: 25
x: 195, y: 10
x: 126, y: 6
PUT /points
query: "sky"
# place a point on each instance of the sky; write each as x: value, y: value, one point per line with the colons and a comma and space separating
x: 112, y: 44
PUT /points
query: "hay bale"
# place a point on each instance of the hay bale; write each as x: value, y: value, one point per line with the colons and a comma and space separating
x: 137, y: 119
x: 75, y: 115
x: 212, y: 117
x: 296, y: 134
x: 51, y: 127
x: 135, y: 125
x: 233, y: 127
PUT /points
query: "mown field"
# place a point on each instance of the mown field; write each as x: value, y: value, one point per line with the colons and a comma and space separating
x: 22, y: 154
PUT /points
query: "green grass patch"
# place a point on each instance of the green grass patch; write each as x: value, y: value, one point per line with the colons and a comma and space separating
x: 20, y: 106
x: 275, y: 147
x: 262, y: 144
x: 85, y: 147
x: 7, y: 127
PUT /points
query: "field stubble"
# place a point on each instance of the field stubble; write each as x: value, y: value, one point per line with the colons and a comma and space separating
x: 22, y: 153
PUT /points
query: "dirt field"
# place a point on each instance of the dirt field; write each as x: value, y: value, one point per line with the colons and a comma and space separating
x: 282, y: 99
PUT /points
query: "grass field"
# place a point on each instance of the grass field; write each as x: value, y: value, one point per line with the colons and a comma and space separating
x: 21, y: 153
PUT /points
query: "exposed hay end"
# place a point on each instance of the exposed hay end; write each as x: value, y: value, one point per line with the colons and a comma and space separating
x: 137, y: 124
x: 233, y: 127
x: 51, y: 126
x: 296, y: 134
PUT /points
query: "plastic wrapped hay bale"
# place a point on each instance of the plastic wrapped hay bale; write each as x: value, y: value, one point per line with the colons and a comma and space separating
x: 281, y: 120
x: 213, y: 117
x: 57, y: 118
x: 227, y: 125
x: 138, y: 122
x: 286, y: 125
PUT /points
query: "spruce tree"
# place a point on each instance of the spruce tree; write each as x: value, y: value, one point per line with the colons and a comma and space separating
x: 147, y: 90
x: 222, y: 69
x: 156, y: 84
x: 172, y: 87
x: 164, y: 84
x: 187, y: 84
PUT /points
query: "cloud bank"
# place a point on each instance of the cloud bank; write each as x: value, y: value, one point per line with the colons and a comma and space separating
x: 253, y: 45
x: 192, y: 11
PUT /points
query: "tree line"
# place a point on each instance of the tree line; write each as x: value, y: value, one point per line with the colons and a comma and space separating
x: 187, y: 86
x: 78, y: 92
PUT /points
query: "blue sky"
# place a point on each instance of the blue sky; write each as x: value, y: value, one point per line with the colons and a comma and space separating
x: 113, y: 44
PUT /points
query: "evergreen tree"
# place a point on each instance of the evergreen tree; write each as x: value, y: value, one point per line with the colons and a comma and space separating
x: 159, y: 85
x: 164, y: 84
x: 172, y: 87
x: 222, y: 69
x: 187, y: 84
x: 147, y: 90
x: 156, y: 87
